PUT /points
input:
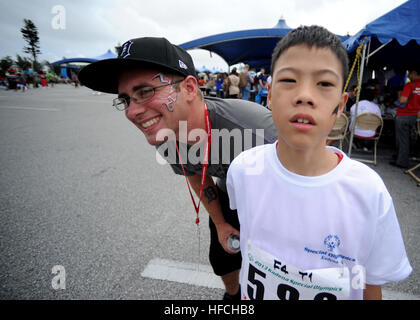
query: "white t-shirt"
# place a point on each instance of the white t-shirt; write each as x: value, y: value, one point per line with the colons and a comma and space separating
x: 364, y: 106
x: 327, y: 227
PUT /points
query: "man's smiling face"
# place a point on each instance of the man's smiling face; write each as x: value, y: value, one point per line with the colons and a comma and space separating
x: 163, y: 110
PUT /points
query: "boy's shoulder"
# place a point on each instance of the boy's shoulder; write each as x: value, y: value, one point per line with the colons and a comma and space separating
x: 257, y: 150
x: 252, y: 157
x: 362, y: 171
x: 364, y: 179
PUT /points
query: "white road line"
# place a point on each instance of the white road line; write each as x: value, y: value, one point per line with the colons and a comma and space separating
x: 30, y: 108
x: 182, y: 272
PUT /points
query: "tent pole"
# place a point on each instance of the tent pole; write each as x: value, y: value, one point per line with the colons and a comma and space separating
x: 369, y: 55
x: 368, y: 50
x: 362, y: 66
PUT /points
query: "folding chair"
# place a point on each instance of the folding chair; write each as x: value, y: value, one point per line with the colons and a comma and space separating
x: 370, y: 121
x: 339, y: 131
x: 411, y: 170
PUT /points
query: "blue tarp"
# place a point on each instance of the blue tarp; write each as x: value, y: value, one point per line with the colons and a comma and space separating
x: 401, y: 26
x: 107, y: 55
x: 253, y: 47
x: 70, y: 60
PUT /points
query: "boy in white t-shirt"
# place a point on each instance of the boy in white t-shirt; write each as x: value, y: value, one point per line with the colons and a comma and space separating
x: 314, y: 223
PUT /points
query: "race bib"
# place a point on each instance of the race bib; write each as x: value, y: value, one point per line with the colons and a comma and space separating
x: 265, y: 277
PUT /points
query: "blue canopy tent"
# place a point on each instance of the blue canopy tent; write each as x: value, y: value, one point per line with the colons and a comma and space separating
x: 67, y: 68
x: 392, y: 40
x: 253, y: 47
x: 107, y: 55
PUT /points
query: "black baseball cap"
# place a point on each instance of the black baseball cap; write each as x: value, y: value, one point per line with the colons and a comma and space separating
x: 137, y: 54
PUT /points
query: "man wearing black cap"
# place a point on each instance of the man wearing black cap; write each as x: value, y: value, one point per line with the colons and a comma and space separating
x: 158, y: 89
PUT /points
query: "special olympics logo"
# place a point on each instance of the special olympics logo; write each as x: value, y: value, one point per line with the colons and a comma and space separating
x: 332, y: 242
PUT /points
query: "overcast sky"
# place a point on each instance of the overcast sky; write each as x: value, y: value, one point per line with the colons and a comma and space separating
x: 92, y: 27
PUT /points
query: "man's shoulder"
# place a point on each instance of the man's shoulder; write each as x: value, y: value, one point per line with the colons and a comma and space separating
x: 236, y: 108
x: 224, y: 103
x: 241, y: 114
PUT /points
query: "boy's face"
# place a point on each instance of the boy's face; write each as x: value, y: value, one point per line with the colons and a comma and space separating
x: 305, y: 91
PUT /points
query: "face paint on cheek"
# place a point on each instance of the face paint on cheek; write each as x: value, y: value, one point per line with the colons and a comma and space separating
x: 335, y: 111
x: 170, y: 99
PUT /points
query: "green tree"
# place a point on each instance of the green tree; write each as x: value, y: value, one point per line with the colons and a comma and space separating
x: 22, y: 62
x: 30, y: 35
x: 6, y: 63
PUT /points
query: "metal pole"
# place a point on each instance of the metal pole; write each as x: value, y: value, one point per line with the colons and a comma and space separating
x: 371, y: 54
x: 368, y: 50
x: 362, y: 65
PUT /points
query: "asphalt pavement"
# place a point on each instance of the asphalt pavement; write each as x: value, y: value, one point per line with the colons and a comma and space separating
x: 85, y: 206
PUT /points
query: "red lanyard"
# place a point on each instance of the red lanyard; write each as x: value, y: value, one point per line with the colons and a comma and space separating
x: 205, y: 164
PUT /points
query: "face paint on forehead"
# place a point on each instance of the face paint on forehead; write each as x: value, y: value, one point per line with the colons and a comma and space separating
x: 169, y: 100
x: 161, y: 78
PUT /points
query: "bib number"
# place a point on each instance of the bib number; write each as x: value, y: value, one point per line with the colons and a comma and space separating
x: 270, y: 278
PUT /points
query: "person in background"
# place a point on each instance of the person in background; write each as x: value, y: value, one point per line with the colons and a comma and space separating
x: 261, y: 77
x: 75, y: 79
x: 3, y: 79
x: 391, y: 100
x: 28, y: 75
x: 50, y: 78
x: 210, y: 85
x: 219, y: 85
x: 261, y: 97
x: 366, y: 104
x: 406, y: 117
x: 233, y: 85
x: 43, y: 78
x: 37, y: 80
x: 225, y: 85
x: 245, y: 83
x: 20, y: 82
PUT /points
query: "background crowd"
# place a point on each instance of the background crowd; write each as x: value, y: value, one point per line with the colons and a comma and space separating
x: 18, y: 79
x: 246, y: 84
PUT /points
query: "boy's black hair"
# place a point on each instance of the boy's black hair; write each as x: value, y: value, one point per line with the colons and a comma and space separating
x: 312, y: 36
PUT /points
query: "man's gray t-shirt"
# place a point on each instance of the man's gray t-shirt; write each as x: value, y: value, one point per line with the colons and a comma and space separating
x: 237, y: 125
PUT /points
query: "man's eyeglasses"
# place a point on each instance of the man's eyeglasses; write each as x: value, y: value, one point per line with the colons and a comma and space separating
x: 139, y: 96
